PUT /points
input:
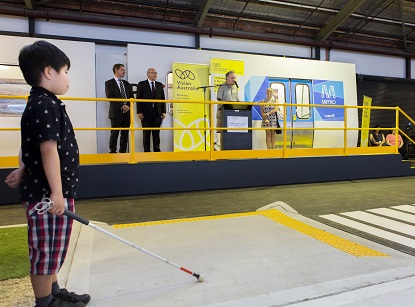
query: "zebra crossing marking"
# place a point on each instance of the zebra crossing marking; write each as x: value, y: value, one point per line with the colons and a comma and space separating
x: 381, y: 221
x: 367, y: 222
x: 406, y: 217
x: 407, y: 208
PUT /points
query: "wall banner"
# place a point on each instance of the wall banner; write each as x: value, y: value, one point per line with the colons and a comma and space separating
x: 364, y: 134
x: 218, y: 70
x: 328, y: 93
x: 187, y: 78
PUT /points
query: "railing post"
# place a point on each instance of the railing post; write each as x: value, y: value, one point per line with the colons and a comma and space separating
x: 132, y: 134
x: 284, y: 131
x: 345, y: 132
x: 396, y: 129
x: 212, y: 131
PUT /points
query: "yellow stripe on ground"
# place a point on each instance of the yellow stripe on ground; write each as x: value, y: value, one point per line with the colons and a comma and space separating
x: 337, y: 242
x: 186, y: 220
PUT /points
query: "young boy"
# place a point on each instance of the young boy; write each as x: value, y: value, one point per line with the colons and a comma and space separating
x: 49, y: 162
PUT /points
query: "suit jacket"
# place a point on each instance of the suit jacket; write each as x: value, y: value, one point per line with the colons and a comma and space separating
x: 113, y: 91
x: 144, y: 92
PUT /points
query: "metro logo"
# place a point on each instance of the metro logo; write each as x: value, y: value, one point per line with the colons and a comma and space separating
x: 328, y: 93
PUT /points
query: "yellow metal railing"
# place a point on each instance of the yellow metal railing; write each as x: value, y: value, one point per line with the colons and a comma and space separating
x: 211, y: 154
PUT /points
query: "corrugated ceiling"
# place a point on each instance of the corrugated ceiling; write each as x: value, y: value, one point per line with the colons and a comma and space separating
x: 370, y: 24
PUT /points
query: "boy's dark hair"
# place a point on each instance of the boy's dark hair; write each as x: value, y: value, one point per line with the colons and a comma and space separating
x: 34, y: 58
x: 116, y: 67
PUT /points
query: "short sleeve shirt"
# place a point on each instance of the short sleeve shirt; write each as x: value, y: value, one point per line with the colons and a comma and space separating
x: 392, y: 139
x: 227, y: 93
x: 44, y: 119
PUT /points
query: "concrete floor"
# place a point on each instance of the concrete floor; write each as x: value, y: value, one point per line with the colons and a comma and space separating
x: 247, y: 258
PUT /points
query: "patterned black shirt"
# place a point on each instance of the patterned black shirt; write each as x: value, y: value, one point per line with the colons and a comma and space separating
x: 43, y: 119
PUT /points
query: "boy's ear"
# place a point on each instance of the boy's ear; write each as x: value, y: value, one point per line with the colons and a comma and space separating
x: 47, y: 72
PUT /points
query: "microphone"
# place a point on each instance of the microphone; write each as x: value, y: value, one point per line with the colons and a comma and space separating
x: 236, y: 84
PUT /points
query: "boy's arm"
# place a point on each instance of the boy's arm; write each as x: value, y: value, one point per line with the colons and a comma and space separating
x: 15, y: 177
x: 51, y: 166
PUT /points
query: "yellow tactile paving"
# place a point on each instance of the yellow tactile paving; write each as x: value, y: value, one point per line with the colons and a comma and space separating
x: 342, y: 244
x: 337, y: 242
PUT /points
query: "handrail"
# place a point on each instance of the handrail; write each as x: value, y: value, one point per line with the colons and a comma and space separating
x: 212, y: 155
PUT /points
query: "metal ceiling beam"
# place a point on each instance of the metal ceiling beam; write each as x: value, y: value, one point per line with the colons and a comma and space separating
x: 400, y: 4
x: 201, y: 15
x: 96, y: 20
x: 337, y: 20
x: 30, y: 4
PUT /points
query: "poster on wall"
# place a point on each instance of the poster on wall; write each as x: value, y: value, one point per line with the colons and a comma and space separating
x: 330, y: 93
x: 12, y: 83
x: 189, y: 82
x: 218, y: 70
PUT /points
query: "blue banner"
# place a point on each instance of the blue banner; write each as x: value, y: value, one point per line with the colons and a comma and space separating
x: 327, y: 92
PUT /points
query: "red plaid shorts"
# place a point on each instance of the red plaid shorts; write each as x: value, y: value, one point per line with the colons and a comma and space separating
x: 48, y: 238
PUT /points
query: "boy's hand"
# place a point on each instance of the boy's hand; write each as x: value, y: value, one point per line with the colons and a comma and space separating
x: 14, y: 178
x: 59, y: 206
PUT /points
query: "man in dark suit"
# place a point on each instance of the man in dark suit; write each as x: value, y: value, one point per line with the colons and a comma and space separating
x: 119, y: 111
x: 150, y: 113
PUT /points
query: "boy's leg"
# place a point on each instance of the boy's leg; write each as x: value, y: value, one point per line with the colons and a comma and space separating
x: 47, y: 257
x: 67, y: 296
x: 42, y: 285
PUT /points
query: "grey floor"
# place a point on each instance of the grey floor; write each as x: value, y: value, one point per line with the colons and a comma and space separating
x: 246, y: 260
x: 310, y: 200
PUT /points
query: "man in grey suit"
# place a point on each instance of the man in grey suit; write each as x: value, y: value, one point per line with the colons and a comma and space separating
x: 119, y: 111
x: 150, y: 113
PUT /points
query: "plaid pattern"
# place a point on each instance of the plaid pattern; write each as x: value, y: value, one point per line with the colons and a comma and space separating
x: 48, y: 238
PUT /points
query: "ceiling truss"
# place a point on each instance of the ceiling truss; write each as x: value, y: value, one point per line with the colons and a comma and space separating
x: 387, y: 25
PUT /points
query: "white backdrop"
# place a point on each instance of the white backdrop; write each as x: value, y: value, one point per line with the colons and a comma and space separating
x: 82, y: 84
x: 161, y: 58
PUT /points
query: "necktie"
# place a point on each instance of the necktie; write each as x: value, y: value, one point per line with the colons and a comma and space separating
x: 153, y: 89
x: 122, y: 89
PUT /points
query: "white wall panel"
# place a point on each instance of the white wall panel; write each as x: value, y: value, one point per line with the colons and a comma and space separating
x: 14, y: 24
x: 371, y: 64
x: 106, y: 57
x: 82, y: 84
x: 243, y: 45
x: 102, y: 32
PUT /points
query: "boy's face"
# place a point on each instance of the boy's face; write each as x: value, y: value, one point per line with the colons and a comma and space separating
x: 59, y: 82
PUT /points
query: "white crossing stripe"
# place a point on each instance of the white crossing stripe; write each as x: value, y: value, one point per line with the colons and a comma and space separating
x: 371, y: 230
x: 407, y: 208
x: 407, y: 217
x: 381, y: 221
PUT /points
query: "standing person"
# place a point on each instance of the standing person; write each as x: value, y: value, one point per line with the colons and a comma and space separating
x: 227, y: 91
x: 119, y: 111
x: 151, y: 114
x: 49, y: 163
x: 269, y: 117
x: 391, y: 140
